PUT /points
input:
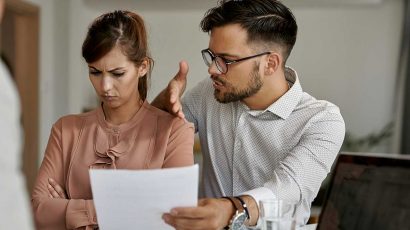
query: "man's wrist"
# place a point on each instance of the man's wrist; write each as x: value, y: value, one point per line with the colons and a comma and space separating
x: 253, y: 209
x: 230, y: 210
x: 239, y: 217
x: 245, y: 207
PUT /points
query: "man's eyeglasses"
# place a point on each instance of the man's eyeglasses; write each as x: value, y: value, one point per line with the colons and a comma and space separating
x: 221, y: 62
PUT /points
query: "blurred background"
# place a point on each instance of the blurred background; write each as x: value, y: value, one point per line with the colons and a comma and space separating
x: 350, y: 52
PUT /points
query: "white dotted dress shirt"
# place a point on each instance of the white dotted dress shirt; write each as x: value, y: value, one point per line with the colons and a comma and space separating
x: 282, y: 152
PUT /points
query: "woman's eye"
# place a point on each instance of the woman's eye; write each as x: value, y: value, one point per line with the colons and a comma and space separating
x: 117, y: 74
x: 95, y: 73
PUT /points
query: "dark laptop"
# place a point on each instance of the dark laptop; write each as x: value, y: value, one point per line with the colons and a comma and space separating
x: 368, y: 192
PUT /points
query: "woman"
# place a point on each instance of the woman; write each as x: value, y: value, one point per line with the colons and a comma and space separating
x: 125, y: 132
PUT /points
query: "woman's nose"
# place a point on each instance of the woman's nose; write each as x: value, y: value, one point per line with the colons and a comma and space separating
x: 107, y: 83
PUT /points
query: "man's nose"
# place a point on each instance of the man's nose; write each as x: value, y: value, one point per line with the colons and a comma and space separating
x: 213, y: 69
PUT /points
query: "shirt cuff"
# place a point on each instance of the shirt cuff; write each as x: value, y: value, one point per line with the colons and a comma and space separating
x: 258, y: 194
x: 92, y: 214
x: 80, y: 213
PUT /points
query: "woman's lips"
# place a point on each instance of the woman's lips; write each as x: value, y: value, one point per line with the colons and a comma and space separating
x: 109, y: 98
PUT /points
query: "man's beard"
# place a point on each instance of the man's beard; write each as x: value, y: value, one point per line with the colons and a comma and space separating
x: 253, y: 86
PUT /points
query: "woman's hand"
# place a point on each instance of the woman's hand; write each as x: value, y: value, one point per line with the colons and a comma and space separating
x: 55, y: 190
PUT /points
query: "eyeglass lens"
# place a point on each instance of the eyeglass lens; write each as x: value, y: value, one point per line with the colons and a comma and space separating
x: 209, y: 58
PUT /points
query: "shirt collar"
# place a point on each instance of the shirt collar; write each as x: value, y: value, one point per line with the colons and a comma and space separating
x: 284, y: 106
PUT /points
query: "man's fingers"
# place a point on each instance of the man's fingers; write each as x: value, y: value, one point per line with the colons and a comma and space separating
x: 180, y: 114
x: 190, y: 223
x: 183, y: 71
x: 175, y: 89
x: 180, y: 79
x: 176, y: 107
x: 174, y: 93
x: 189, y: 212
x: 208, y: 215
x: 202, y: 202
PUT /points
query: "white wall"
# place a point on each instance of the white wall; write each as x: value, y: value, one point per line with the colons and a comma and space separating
x: 345, y: 53
x: 349, y: 55
x: 53, y: 74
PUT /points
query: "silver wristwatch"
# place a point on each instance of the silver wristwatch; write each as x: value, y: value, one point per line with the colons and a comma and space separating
x: 239, y: 218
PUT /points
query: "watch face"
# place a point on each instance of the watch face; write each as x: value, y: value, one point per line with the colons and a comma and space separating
x: 239, y: 220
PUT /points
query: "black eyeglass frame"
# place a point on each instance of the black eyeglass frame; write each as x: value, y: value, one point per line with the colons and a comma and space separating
x: 226, y: 61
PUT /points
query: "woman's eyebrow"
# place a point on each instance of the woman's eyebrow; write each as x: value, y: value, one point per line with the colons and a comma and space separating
x: 112, y: 70
x: 93, y: 68
x: 115, y: 69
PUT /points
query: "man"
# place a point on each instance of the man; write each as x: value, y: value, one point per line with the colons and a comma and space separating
x: 14, y: 204
x: 261, y: 135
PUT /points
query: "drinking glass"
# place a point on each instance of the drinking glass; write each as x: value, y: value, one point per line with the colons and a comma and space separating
x: 277, y: 214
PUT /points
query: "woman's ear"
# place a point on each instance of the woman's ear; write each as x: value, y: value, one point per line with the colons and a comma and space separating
x: 273, y: 62
x: 143, y: 68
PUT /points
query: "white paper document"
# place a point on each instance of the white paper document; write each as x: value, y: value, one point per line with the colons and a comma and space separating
x: 136, y: 199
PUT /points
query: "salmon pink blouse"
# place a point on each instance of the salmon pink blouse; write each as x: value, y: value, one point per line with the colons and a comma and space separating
x: 150, y: 139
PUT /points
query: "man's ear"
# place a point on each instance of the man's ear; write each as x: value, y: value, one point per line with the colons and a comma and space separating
x: 143, y: 68
x: 273, y: 62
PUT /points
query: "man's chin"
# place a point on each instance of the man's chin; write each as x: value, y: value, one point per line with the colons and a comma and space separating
x: 221, y: 101
x: 218, y: 96
x: 221, y: 98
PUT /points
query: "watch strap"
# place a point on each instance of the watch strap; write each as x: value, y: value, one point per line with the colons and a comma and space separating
x: 245, y: 207
x: 236, y: 203
x: 238, y: 209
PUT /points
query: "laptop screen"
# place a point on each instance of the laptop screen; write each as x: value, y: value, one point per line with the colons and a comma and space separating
x: 368, y: 192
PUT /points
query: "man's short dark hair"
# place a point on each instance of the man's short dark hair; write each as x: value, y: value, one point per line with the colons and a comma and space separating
x: 266, y: 21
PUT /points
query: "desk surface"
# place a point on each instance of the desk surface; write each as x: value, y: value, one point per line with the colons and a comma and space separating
x: 308, y: 227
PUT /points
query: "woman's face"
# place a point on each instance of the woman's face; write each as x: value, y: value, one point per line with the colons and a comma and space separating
x: 115, y: 79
